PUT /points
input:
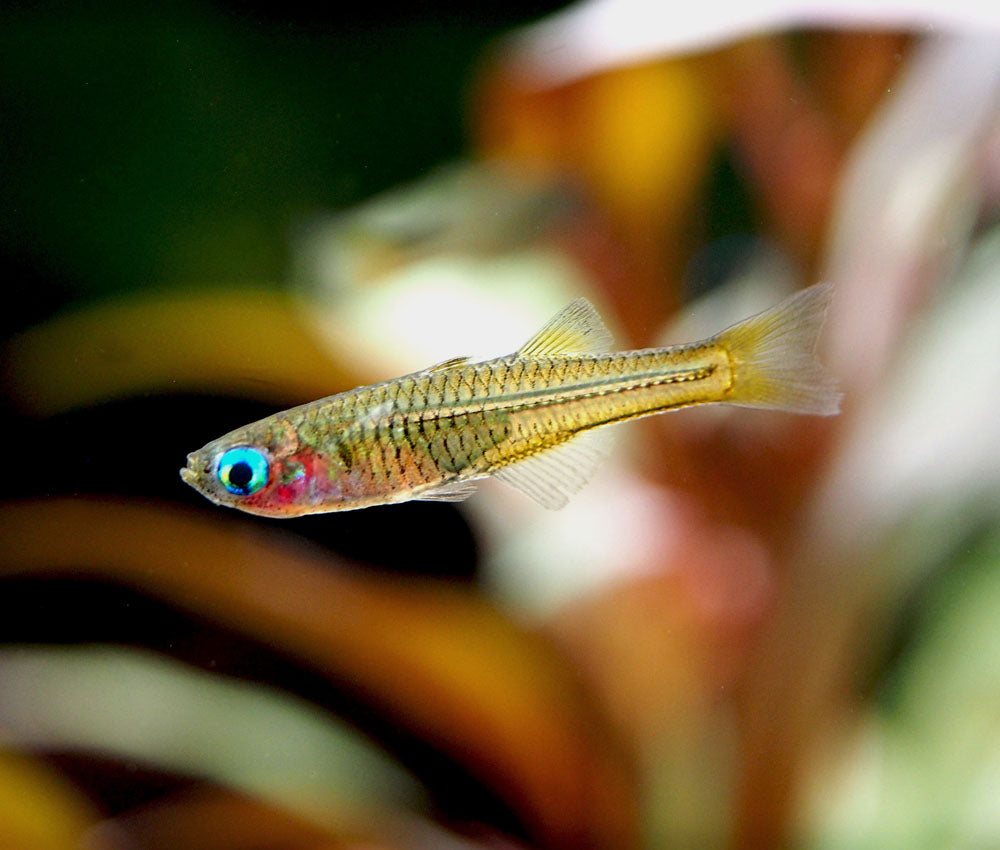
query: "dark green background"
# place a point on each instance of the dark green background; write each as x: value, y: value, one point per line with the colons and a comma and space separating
x: 149, y: 145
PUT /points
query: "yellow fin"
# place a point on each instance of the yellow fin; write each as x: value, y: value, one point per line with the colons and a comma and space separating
x: 773, y: 356
x: 576, y: 329
x: 447, y: 364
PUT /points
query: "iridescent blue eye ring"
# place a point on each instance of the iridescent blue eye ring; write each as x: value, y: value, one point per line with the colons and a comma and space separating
x: 243, y: 470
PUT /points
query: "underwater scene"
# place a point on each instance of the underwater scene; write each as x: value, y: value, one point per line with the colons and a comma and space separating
x: 325, y: 522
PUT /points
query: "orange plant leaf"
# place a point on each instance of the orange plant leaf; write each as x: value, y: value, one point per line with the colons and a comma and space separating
x: 443, y: 662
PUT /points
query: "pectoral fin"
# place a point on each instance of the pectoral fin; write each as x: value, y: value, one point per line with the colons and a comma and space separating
x: 454, y: 491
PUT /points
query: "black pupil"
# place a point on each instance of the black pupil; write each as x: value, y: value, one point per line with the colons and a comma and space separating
x: 240, y: 475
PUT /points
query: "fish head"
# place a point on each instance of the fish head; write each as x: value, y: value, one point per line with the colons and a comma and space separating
x: 264, y: 469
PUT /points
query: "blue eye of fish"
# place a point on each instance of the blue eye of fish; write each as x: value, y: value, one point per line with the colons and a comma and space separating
x: 243, y: 470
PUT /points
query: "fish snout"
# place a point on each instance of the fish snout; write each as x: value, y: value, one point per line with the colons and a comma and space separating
x: 189, y: 473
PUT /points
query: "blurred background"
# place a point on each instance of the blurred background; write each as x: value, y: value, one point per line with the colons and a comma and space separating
x: 751, y: 629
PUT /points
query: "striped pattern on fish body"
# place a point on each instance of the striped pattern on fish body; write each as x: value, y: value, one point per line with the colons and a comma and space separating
x: 520, y: 418
x: 489, y: 414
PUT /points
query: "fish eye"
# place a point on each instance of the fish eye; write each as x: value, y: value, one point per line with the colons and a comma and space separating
x: 243, y: 470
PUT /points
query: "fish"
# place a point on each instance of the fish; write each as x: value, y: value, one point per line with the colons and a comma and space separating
x: 526, y: 419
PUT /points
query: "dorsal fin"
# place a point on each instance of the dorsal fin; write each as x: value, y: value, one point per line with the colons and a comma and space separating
x: 576, y: 329
x: 447, y: 364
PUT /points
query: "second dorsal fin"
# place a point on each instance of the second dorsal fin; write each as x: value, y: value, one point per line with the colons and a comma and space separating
x: 576, y: 329
x: 448, y: 364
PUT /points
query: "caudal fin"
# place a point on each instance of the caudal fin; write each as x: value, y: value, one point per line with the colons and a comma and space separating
x: 773, y: 356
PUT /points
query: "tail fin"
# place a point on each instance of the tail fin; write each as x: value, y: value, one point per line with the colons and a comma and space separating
x: 773, y: 359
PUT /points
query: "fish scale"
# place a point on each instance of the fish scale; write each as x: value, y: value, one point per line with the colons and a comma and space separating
x: 476, y: 400
x: 433, y: 434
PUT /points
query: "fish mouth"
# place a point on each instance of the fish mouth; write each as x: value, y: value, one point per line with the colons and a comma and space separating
x: 188, y: 474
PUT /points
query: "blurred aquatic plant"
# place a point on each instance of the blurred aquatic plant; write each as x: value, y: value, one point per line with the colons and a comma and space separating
x: 171, y: 343
x: 923, y: 767
x: 751, y: 630
x: 405, y: 274
x: 439, y: 659
x: 39, y: 808
x: 134, y: 706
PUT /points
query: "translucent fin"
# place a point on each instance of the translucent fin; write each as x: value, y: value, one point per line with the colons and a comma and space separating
x: 576, y: 329
x: 773, y: 356
x: 552, y: 476
x: 447, y: 364
x: 455, y: 491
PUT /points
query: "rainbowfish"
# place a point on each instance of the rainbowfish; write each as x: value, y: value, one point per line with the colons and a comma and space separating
x: 523, y: 418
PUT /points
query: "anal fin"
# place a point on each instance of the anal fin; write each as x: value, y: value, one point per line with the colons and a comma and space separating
x: 551, y: 476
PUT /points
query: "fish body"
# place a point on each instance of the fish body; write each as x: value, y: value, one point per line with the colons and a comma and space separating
x: 523, y: 418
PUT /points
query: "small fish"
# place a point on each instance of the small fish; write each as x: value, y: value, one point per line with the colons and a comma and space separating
x: 524, y: 418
